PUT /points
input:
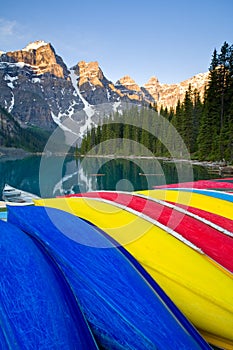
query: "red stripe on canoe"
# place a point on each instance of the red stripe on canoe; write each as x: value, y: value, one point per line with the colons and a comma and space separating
x: 214, y: 243
x: 219, y: 220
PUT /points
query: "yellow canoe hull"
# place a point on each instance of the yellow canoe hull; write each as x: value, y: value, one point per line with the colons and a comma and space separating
x: 202, y: 290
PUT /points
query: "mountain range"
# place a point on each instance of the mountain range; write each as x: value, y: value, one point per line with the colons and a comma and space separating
x: 39, y: 90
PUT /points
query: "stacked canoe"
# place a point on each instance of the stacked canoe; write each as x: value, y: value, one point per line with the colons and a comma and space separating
x: 225, y: 184
x: 145, y: 270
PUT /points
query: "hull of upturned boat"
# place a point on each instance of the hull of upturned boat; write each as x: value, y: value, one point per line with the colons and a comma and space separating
x: 122, y: 308
x: 38, y: 308
x: 198, y: 287
x: 216, y: 184
x: 213, y: 240
x: 190, y: 199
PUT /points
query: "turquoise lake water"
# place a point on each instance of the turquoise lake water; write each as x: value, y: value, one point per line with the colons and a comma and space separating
x: 56, y: 175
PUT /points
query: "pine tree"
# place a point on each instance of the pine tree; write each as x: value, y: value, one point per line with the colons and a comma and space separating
x: 197, y: 115
x: 223, y: 73
x: 210, y: 124
x: 187, y: 129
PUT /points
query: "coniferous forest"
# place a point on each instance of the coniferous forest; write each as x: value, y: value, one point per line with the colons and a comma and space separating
x: 32, y: 139
x: 206, y: 127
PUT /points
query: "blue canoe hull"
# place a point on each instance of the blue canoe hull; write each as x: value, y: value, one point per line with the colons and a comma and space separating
x: 123, y: 309
x: 38, y: 308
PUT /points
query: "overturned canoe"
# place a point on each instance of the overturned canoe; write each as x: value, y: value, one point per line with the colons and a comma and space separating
x: 38, y: 308
x: 217, y: 184
x: 217, y: 221
x: 214, y: 240
x: 185, y: 274
x: 191, y: 199
x: 123, y: 309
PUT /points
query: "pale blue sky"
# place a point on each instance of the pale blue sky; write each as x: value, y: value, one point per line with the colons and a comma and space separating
x: 172, y: 40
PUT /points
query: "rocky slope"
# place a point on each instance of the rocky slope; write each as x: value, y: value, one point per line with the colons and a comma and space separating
x: 93, y: 85
x: 38, y: 89
x: 35, y: 86
x: 128, y: 87
x: 167, y: 95
x: 13, y: 135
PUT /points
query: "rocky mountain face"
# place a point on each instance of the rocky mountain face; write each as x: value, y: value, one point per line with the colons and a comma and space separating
x: 38, y: 89
x: 35, y: 86
x: 94, y: 87
x: 128, y: 87
x: 167, y: 95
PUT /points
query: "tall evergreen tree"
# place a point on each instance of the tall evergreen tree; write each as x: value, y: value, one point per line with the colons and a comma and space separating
x: 210, y: 122
x: 187, y: 129
x: 197, y: 114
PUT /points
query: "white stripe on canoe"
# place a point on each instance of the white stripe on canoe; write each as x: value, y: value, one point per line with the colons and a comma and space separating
x: 181, y: 210
x: 147, y: 218
x: 195, y: 190
x: 195, y: 216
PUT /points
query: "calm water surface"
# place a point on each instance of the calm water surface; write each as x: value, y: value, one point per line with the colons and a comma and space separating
x: 56, y: 175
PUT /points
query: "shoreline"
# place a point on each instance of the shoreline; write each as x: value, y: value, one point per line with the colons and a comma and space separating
x: 11, y: 153
x: 205, y: 163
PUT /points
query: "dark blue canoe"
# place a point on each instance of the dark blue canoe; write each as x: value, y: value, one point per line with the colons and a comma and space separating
x: 37, y: 307
x: 124, y: 310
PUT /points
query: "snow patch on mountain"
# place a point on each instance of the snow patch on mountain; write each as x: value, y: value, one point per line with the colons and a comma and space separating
x: 58, y: 121
x: 35, y: 45
x: 88, y: 109
x: 36, y: 80
x: 11, y: 79
x: 116, y: 106
x: 12, y: 103
x: 21, y: 65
